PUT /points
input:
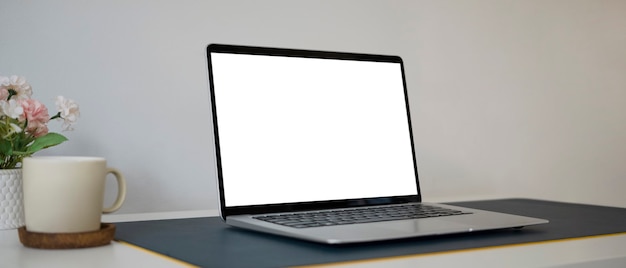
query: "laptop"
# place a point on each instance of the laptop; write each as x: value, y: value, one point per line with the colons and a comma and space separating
x: 318, y: 145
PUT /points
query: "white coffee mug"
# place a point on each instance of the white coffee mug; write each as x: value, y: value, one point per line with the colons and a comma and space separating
x: 65, y: 194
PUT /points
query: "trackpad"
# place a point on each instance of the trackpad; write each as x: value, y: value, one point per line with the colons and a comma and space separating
x: 429, y: 226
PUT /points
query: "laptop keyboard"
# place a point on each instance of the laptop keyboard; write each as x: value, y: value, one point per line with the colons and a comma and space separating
x: 359, y: 215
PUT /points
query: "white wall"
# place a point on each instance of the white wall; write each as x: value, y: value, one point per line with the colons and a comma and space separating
x: 509, y: 98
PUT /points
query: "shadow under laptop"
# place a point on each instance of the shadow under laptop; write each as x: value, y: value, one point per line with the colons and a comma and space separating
x: 454, y: 241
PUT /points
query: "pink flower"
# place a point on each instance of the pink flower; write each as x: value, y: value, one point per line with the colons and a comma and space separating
x: 4, y: 93
x: 37, y: 115
x: 39, y: 131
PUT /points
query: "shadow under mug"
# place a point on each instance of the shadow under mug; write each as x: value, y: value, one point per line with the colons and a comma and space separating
x: 65, y: 194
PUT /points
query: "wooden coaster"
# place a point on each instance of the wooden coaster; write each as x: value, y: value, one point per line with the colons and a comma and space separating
x: 68, y: 240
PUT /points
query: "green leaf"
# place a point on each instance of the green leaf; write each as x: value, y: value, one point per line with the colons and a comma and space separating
x: 5, y: 147
x: 48, y: 140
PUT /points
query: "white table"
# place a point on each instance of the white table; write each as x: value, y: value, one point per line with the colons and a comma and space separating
x: 14, y: 254
x: 598, y: 251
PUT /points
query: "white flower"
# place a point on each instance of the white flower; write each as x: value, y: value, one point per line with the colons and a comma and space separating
x: 12, y: 108
x: 21, y: 89
x: 4, y: 81
x: 4, y: 84
x: 68, y: 111
x: 16, y: 128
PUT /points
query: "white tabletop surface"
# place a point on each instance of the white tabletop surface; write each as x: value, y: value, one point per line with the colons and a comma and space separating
x: 14, y: 254
x: 598, y: 251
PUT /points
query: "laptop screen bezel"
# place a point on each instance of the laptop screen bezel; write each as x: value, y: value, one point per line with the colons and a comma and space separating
x: 302, y: 206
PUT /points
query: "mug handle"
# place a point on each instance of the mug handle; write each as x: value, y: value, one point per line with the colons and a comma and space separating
x: 121, y: 191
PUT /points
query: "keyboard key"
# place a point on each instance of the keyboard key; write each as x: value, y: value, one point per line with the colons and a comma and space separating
x: 358, y: 215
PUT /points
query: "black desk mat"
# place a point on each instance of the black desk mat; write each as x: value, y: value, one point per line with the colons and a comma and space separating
x: 208, y: 242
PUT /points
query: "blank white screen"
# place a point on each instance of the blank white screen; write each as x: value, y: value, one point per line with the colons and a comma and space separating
x: 302, y: 129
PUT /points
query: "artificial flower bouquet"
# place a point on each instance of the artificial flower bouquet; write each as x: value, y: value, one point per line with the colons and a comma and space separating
x: 24, y: 121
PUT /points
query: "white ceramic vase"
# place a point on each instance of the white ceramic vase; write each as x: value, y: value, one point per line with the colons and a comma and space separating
x: 11, y: 199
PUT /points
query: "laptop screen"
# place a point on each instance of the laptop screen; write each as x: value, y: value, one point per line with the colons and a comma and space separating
x: 300, y: 126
